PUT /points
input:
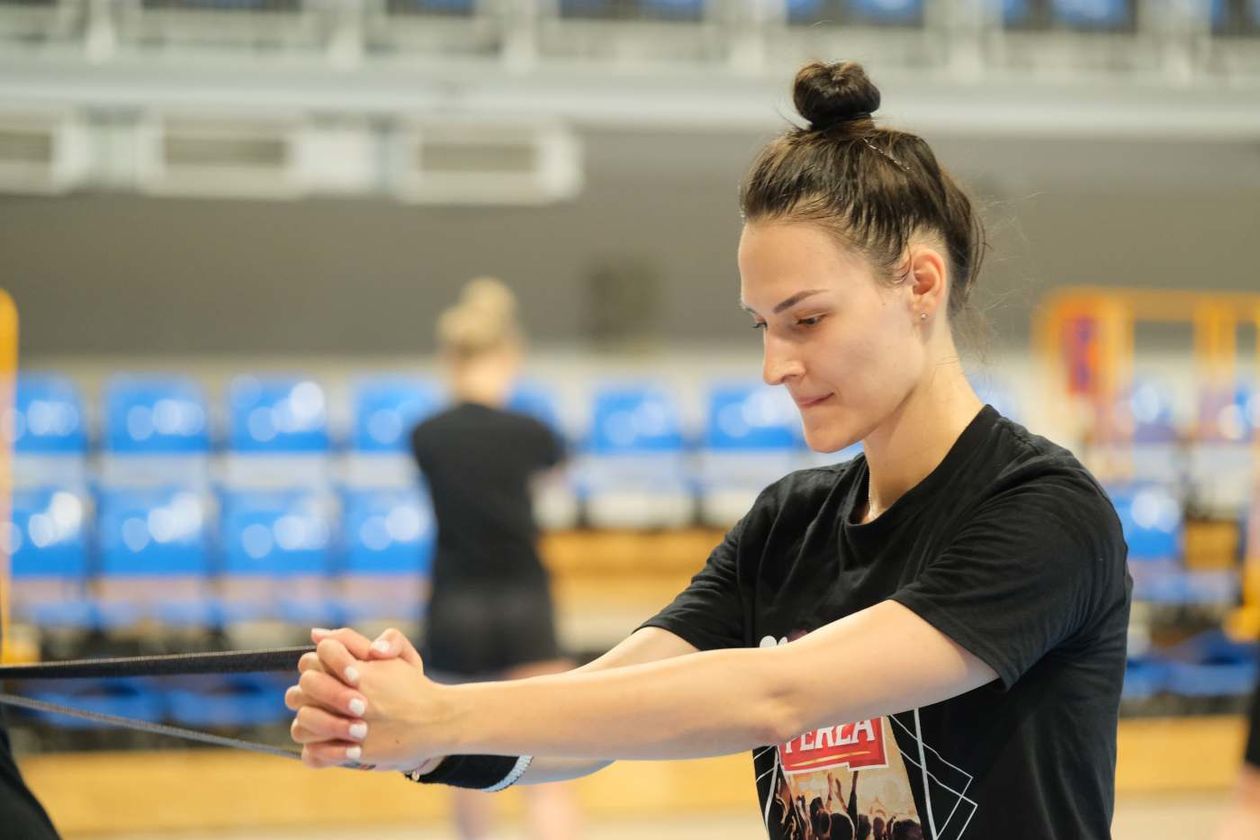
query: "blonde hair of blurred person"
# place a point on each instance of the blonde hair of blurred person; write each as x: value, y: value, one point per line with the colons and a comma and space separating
x: 480, y: 343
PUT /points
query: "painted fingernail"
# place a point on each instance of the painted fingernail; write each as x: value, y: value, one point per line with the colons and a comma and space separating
x: 352, y: 675
x: 323, y: 630
x: 381, y: 646
x: 358, y: 731
x: 358, y: 707
x: 354, y: 753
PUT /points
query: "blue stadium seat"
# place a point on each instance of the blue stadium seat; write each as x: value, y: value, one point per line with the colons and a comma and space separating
x: 1016, y: 12
x: 387, y: 408
x: 278, y: 434
x: 806, y: 11
x: 886, y: 12
x: 633, y: 473
x: 388, y: 543
x: 673, y: 9
x: 155, y: 558
x: 157, y: 432
x: 277, y: 557
x: 48, y: 547
x: 231, y: 702
x: 752, y: 438
x: 444, y: 7
x: 1151, y: 517
x: 124, y: 697
x: 150, y: 415
x: 49, y: 429
x: 634, y: 420
x: 277, y: 415
x: 49, y: 416
x: 1212, y: 665
x: 1099, y: 15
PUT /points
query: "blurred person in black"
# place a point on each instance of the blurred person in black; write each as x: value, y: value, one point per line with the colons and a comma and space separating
x: 490, y: 614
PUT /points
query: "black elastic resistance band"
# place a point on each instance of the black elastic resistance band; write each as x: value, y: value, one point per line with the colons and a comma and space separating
x: 230, y: 662
x: 219, y: 662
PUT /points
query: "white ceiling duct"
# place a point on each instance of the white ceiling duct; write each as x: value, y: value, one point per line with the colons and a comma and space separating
x: 480, y: 162
x: 42, y: 152
x: 223, y: 156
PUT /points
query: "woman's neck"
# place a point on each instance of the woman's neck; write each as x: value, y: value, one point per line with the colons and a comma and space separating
x: 917, y: 436
x: 487, y: 384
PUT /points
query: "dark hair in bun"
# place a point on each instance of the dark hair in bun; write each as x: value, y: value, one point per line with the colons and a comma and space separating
x: 831, y: 94
x: 873, y: 187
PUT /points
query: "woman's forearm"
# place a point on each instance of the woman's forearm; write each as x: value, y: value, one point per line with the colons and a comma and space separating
x: 707, y: 704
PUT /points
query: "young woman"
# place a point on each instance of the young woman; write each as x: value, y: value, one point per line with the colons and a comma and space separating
x: 935, y: 628
x: 489, y: 614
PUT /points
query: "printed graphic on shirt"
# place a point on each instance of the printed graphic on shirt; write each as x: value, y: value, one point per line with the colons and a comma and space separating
x: 859, y: 779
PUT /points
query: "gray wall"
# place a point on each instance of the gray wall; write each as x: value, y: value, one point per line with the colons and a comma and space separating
x: 121, y: 274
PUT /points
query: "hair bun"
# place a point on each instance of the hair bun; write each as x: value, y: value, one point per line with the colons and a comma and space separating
x: 830, y: 94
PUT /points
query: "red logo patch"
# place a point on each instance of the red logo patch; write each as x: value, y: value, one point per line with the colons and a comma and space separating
x: 853, y: 745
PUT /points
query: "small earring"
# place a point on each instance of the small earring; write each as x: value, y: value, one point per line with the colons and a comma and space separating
x: 922, y: 316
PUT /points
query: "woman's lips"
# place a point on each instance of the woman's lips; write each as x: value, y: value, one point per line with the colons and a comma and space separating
x: 810, y: 402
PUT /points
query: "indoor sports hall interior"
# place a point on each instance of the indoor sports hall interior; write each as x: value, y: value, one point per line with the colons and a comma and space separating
x: 228, y: 228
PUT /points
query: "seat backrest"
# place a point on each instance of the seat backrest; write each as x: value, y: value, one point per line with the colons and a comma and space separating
x: 749, y: 417
x: 276, y: 534
x: 154, y: 532
x: 387, y: 408
x: 1152, y: 518
x: 634, y: 419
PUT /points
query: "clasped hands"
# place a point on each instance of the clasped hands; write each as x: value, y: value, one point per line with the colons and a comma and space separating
x: 364, y: 703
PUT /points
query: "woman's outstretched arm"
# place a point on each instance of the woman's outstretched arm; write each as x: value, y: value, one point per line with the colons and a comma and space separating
x: 881, y: 660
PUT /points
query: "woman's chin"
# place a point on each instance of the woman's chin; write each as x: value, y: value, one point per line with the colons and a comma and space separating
x: 826, y: 441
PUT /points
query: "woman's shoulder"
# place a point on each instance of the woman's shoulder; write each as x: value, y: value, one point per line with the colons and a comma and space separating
x: 1048, y: 476
x: 811, y: 485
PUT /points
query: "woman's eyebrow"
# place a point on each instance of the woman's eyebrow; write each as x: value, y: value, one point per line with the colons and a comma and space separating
x: 785, y: 304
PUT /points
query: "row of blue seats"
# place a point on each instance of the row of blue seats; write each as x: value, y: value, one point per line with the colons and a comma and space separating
x: 205, y: 703
x: 165, y: 554
x: 1096, y: 15
x: 1085, y: 15
x: 1209, y: 665
x: 62, y: 552
x: 154, y: 415
x: 160, y: 415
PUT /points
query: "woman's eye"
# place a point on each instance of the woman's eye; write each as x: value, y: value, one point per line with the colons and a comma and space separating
x: 808, y: 322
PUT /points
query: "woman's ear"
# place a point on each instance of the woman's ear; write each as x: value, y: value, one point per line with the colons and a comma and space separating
x: 929, y: 284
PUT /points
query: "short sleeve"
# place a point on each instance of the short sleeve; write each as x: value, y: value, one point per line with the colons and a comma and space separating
x: 551, y: 447
x: 1033, y: 567
x: 709, y: 613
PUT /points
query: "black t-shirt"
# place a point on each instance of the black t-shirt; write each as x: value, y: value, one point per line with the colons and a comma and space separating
x: 1010, y: 548
x: 478, y: 462
x: 21, y: 815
